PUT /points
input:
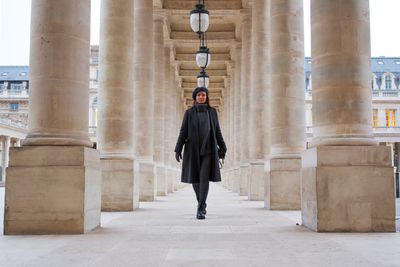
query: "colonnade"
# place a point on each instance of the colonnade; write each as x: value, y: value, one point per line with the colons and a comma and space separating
x: 342, y: 182
x: 343, y: 176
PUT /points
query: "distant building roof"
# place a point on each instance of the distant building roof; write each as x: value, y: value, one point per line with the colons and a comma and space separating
x: 14, y: 73
x: 379, y: 65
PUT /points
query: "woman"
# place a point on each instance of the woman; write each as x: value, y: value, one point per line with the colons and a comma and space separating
x: 201, y: 134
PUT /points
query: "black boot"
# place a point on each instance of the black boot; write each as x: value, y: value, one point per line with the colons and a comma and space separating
x: 200, y: 215
x: 203, y: 207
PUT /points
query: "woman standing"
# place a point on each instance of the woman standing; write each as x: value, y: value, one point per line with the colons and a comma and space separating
x: 201, y: 135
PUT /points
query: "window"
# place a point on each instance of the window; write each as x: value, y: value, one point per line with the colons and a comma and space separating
x: 22, y: 74
x: 390, y: 118
x: 16, y: 86
x: 375, y: 117
x: 14, y: 106
x: 388, y: 82
x: 4, y: 74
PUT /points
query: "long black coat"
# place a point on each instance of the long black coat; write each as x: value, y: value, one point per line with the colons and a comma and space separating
x: 189, y: 137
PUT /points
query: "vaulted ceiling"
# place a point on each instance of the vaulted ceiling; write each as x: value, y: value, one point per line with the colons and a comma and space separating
x: 222, y: 35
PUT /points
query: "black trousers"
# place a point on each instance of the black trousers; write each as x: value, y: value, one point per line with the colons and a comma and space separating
x: 201, y: 189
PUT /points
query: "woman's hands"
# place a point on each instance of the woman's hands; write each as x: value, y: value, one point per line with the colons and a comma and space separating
x: 221, y: 153
x: 178, y: 156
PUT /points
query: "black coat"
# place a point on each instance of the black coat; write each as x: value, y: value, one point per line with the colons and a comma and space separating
x: 188, y: 137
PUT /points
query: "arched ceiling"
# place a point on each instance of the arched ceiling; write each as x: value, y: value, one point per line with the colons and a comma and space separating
x: 222, y: 35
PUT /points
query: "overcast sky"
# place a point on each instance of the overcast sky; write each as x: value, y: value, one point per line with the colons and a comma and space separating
x: 15, y: 27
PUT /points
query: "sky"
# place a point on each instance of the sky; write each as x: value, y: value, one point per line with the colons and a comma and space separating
x: 15, y: 29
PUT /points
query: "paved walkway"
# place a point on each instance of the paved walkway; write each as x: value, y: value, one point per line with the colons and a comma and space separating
x: 236, y: 232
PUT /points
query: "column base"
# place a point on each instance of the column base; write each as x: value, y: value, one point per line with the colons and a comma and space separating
x: 348, y: 189
x: 256, y: 181
x: 145, y: 172
x: 244, y: 180
x: 161, y: 174
x: 229, y: 182
x: 236, y: 180
x: 120, y: 188
x: 282, y: 184
x: 52, y: 190
x: 171, y: 175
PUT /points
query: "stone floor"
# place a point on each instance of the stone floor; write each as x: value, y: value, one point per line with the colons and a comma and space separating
x: 236, y: 232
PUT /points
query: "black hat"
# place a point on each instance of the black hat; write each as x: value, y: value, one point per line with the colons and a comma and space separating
x: 198, y: 90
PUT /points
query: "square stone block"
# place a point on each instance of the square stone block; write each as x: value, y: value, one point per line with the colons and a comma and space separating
x: 236, y: 180
x: 256, y: 182
x: 52, y: 190
x: 171, y: 174
x: 145, y: 171
x: 244, y: 180
x: 348, y: 189
x: 282, y: 184
x: 120, y: 188
x: 161, y: 174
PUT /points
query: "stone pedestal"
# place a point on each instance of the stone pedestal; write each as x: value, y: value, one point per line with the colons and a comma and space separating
x: 348, y: 188
x: 148, y: 183
x: 171, y: 175
x: 282, y: 185
x: 161, y: 177
x: 236, y: 180
x: 52, y: 190
x: 120, y: 188
x: 256, y: 181
x: 229, y: 182
x: 244, y: 180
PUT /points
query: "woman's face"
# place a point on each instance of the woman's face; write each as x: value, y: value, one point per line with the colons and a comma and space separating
x: 201, y: 97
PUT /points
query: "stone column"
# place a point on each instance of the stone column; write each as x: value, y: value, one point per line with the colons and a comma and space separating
x: 177, y: 87
x: 167, y: 121
x: 120, y: 189
x: 288, y: 130
x: 54, y: 172
x: 257, y: 95
x: 347, y: 181
x: 5, y: 150
x: 160, y: 102
x: 144, y: 100
x: 237, y: 121
x: 230, y: 128
x: 174, y: 121
x: 244, y: 103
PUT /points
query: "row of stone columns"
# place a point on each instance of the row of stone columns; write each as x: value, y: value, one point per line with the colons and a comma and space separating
x: 333, y: 181
x: 269, y: 150
x: 57, y: 183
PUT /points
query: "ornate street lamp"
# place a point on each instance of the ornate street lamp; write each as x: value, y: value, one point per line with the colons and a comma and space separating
x: 203, y: 80
x: 203, y: 57
x: 199, y: 19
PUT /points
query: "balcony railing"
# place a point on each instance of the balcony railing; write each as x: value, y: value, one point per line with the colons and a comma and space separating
x: 389, y: 94
x: 14, y: 93
x: 385, y: 93
x: 376, y: 130
x: 16, y: 124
